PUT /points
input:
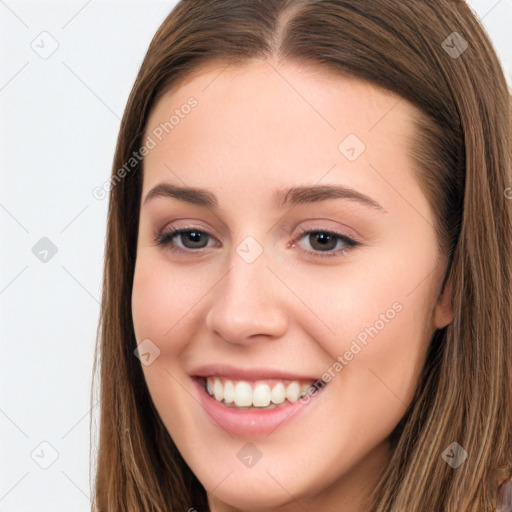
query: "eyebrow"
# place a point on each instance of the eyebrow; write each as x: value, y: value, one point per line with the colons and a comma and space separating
x: 282, y: 197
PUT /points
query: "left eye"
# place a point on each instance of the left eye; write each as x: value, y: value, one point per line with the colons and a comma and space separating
x: 327, y: 242
x: 324, y: 243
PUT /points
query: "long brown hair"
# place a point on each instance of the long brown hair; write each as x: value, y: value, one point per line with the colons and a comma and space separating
x: 435, y: 54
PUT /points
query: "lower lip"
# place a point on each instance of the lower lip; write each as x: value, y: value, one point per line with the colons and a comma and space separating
x: 250, y: 422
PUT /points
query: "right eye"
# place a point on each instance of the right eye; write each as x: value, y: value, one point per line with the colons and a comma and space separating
x: 190, y: 239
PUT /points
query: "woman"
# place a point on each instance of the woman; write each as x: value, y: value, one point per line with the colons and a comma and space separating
x: 307, y: 279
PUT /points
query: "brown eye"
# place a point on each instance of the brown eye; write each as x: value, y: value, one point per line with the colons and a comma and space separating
x: 197, y: 239
x: 184, y: 239
x: 327, y: 243
x: 323, y: 241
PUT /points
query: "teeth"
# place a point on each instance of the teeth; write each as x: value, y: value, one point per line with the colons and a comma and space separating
x: 292, y: 392
x: 229, y: 392
x: 278, y: 393
x: 209, y: 386
x: 218, y: 391
x: 261, y: 394
x: 243, y: 394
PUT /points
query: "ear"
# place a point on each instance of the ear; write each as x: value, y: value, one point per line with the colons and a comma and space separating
x: 443, y: 312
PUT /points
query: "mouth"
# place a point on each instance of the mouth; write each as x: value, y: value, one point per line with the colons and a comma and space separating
x: 260, y: 394
x: 254, y: 401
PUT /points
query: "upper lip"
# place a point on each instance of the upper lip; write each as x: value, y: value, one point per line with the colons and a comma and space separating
x: 252, y: 374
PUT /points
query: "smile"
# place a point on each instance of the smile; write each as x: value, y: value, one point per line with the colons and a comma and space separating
x: 264, y: 394
x: 255, y: 407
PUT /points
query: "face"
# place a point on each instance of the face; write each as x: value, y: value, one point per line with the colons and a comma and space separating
x: 290, y: 250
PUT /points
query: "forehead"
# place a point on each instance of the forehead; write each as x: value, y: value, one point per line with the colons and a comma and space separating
x: 310, y: 90
x: 261, y: 123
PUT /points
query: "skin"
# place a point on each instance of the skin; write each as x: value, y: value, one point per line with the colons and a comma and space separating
x: 255, y: 129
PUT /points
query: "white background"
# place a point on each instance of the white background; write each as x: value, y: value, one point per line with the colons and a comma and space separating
x: 59, y: 122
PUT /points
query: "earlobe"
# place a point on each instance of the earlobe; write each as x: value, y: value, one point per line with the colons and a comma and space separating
x: 443, y: 313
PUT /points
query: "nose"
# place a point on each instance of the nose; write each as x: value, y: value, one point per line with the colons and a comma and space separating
x: 248, y: 303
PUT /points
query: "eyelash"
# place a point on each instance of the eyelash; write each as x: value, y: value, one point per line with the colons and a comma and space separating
x: 350, y: 243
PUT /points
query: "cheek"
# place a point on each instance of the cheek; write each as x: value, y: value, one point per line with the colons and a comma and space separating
x: 163, y: 301
x: 368, y: 300
x: 379, y: 318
